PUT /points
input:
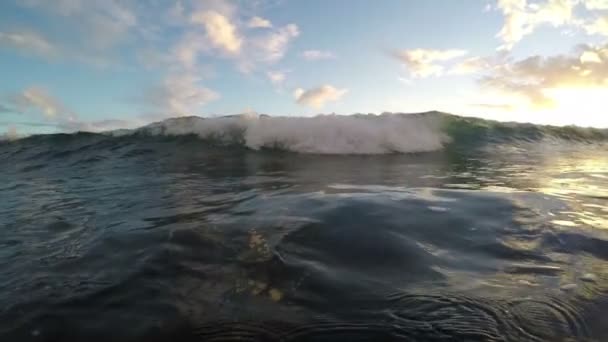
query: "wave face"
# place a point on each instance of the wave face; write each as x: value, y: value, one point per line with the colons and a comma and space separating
x: 354, y: 134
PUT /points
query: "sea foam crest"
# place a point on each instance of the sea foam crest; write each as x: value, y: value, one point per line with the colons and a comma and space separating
x: 323, y: 134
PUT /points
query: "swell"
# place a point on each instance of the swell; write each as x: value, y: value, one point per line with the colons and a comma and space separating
x: 323, y: 134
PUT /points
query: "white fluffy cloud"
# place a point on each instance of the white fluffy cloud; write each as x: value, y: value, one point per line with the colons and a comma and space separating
x: 597, y: 26
x: 315, y: 55
x: 241, y: 41
x: 523, y: 17
x: 318, y: 97
x: 258, y: 22
x: 423, y: 63
x: 221, y: 32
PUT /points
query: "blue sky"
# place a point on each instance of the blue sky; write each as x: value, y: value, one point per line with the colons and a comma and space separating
x: 102, y: 64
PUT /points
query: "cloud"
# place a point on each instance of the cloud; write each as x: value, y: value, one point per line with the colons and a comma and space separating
x: 162, y: 33
x: 471, y: 66
x: 590, y: 56
x: 423, y: 63
x: 38, y: 103
x: 100, y: 24
x: 257, y: 22
x: 522, y: 17
x: 318, y: 97
x: 478, y: 64
x: 28, y: 42
x: 178, y: 95
x: 221, y: 33
x: 597, y: 26
x: 185, y: 54
x: 276, y: 77
x: 315, y: 55
x: 533, y: 77
x: 85, y: 31
x: 224, y: 30
x: 179, y: 39
x: 273, y: 46
x: 595, y: 4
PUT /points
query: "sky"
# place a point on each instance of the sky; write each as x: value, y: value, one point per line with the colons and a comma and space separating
x: 68, y: 65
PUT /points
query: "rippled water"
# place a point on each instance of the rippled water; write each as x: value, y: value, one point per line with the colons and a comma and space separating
x: 158, y: 239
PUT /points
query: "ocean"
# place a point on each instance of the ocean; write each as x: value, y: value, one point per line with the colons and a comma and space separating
x: 423, y: 227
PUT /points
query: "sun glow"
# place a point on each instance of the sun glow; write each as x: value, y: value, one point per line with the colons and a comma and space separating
x: 579, y: 106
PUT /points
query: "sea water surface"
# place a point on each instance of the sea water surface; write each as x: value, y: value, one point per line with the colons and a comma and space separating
x: 454, y: 230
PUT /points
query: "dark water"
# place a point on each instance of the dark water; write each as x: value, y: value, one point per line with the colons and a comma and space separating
x: 170, y: 239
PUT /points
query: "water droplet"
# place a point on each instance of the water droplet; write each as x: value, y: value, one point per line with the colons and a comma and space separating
x: 275, y: 295
x: 589, y: 277
x: 568, y: 287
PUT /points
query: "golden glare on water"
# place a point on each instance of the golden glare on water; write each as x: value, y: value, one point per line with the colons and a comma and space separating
x: 581, y: 181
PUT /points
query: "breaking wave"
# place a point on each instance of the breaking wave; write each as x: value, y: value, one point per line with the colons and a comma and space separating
x: 324, y: 134
x: 352, y: 134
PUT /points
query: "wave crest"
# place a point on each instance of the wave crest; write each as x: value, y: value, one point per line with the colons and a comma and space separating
x: 324, y: 134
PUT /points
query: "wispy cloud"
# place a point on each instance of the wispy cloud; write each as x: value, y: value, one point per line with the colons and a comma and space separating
x: 318, y: 97
x: 315, y: 55
x: 37, y: 100
x: 37, y: 103
x: 28, y: 42
x: 471, y: 65
x: 423, y: 63
x: 276, y: 77
x: 102, y: 23
x: 178, y: 95
x: 268, y: 48
x: 85, y: 31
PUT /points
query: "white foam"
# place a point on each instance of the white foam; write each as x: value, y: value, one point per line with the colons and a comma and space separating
x: 11, y: 134
x: 323, y: 134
